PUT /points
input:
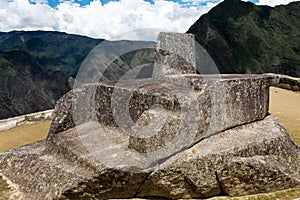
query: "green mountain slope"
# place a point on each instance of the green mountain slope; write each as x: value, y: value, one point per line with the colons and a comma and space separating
x: 35, y: 67
x: 25, y: 87
x: 52, y: 50
x: 242, y: 37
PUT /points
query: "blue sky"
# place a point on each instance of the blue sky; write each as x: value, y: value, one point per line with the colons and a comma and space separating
x: 108, y: 19
x: 54, y: 3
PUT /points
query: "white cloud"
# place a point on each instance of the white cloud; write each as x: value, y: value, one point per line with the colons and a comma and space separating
x: 274, y: 2
x: 198, y: 2
x: 20, y: 14
x: 105, y: 21
x: 97, y: 20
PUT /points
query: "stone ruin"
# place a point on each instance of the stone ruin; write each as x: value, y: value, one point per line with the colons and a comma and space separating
x: 177, y: 135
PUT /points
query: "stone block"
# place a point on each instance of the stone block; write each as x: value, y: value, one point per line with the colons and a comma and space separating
x: 175, y: 54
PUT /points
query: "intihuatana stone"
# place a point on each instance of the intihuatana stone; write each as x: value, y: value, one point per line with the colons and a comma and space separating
x: 212, y: 104
x: 174, y: 136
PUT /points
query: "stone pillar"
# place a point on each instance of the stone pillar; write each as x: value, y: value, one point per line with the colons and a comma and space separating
x: 175, y: 54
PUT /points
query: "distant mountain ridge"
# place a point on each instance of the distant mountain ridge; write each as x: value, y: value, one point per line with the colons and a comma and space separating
x: 25, y: 87
x: 35, y: 67
x: 242, y: 37
x: 54, y: 51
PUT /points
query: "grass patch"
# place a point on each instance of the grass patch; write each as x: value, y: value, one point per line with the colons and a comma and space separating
x: 23, y: 134
x: 284, y: 105
x: 289, y: 194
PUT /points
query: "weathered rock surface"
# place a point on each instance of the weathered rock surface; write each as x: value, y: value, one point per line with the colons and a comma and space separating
x: 182, y: 136
x: 253, y: 158
x: 53, y: 170
x: 175, y: 54
x: 211, y: 104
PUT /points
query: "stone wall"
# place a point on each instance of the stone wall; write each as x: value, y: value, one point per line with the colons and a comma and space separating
x: 33, y: 117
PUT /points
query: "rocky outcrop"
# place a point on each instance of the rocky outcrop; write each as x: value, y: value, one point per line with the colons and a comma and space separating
x: 176, y: 136
x: 253, y: 158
